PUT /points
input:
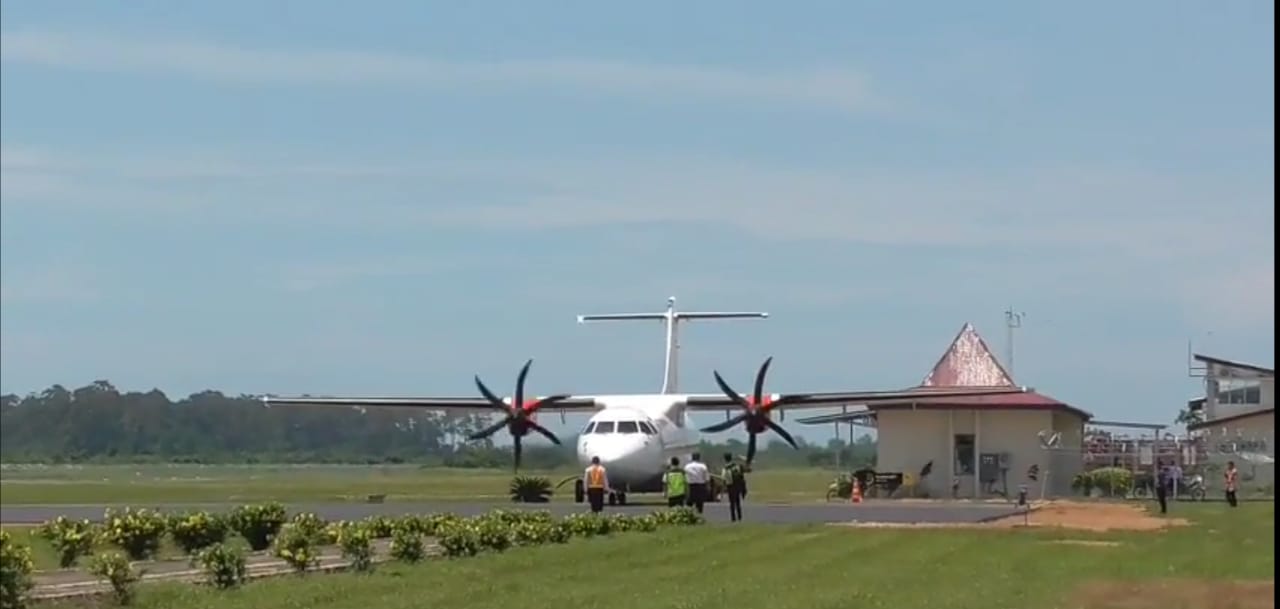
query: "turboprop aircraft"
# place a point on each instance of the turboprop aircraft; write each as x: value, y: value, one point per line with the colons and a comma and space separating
x: 635, y: 435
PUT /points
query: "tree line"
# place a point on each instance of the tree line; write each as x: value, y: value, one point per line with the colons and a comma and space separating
x: 99, y: 423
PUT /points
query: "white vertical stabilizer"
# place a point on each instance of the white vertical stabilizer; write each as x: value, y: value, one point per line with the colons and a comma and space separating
x: 671, y: 318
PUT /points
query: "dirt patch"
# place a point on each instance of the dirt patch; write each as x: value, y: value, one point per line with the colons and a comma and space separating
x: 1093, y: 517
x: 1175, y: 594
x: 1060, y: 514
x: 1096, y: 543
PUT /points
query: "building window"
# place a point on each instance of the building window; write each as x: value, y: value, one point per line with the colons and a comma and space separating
x: 964, y: 454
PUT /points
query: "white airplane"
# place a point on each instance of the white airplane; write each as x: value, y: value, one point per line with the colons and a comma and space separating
x: 636, y: 435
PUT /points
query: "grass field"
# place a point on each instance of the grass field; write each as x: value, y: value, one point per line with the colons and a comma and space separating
x: 153, y: 484
x: 1226, y: 559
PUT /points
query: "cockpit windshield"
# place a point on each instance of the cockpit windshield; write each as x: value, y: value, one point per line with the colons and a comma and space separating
x: 622, y: 427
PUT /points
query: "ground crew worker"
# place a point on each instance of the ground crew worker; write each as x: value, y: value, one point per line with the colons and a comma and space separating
x: 674, y: 485
x: 696, y: 474
x: 735, y: 480
x: 1231, y: 476
x: 1164, y: 480
x: 597, y: 482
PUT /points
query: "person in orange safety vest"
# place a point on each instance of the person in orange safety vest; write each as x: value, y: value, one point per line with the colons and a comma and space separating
x: 596, y: 480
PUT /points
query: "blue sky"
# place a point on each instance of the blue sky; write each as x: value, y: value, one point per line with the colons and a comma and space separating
x: 309, y: 197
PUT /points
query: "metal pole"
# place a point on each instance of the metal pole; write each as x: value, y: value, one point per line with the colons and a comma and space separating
x: 1012, y: 321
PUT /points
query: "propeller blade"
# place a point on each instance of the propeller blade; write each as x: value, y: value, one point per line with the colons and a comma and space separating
x: 488, y: 395
x: 733, y: 395
x: 518, y: 401
x: 548, y: 401
x: 782, y: 432
x: 488, y: 431
x: 759, y: 388
x: 723, y: 425
x: 545, y: 432
x: 751, y: 447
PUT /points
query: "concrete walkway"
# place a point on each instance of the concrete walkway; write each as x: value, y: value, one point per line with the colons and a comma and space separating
x: 65, y: 583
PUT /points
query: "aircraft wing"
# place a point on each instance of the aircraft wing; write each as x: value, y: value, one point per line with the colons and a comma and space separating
x: 847, y: 398
x: 572, y: 404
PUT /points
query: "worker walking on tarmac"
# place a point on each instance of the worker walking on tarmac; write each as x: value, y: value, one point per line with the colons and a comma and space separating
x: 1232, y: 477
x: 696, y: 474
x: 674, y: 485
x: 596, y: 479
x: 735, y: 481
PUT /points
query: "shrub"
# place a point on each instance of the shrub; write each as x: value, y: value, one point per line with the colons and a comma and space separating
x: 460, y: 538
x: 587, y: 525
x: 115, y: 568
x: 559, y: 532
x: 407, y: 546
x: 530, y: 533
x: 1113, y: 480
x: 309, y: 524
x: 530, y: 489
x: 71, y: 539
x: 679, y: 516
x: 137, y: 532
x: 297, y: 549
x: 258, y: 524
x: 196, y: 531
x: 15, y: 572
x: 224, y: 566
x: 644, y: 524
x: 379, y: 527
x: 425, y: 525
x: 494, y: 534
x: 356, y: 544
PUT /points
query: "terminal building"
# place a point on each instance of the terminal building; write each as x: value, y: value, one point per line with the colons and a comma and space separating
x: 1236, y: 417
x: 975, y: 446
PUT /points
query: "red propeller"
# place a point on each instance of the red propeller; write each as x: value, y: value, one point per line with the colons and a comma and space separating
x: 755, y: 415
x: 519, y: 414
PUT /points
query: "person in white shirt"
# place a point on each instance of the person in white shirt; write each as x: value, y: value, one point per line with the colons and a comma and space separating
x: 696, y: 474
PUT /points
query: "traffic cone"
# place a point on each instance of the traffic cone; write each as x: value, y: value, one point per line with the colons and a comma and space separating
x: 856, y: 495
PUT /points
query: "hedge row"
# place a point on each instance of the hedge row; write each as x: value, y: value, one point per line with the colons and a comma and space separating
x: 203, y: 535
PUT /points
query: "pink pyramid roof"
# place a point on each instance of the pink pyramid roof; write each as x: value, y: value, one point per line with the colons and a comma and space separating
x: 968, y: 362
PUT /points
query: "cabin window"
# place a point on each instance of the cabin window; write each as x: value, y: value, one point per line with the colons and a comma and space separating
x: 604, y: 427
x: 964, y: 454
x: 628, y: 427
x: 648, y: 429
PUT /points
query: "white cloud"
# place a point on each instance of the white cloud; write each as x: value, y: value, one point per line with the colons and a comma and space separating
x: 839, y: 89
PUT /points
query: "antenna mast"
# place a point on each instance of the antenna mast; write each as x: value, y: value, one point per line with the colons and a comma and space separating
x: 1012, y: 321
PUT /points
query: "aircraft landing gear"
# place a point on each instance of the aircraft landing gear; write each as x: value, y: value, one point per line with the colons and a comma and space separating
x: 618, y: 498
x: 579, y: 492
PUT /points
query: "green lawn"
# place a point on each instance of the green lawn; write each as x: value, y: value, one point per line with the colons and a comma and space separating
x: 154, y: 484
x: 807, y: 567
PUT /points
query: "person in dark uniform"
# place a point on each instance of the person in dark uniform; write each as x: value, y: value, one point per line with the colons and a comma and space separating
x: 1164, y: 482
x: 1231, y: 477
x: 735, y: 481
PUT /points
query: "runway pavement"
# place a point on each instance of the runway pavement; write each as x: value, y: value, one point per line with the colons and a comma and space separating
x: 887, y: 511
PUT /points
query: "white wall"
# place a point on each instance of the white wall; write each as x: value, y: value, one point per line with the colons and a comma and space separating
x: 907, y: 439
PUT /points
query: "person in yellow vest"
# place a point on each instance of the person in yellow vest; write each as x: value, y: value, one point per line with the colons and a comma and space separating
x: 674, y: 484
x: 596, y: 479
